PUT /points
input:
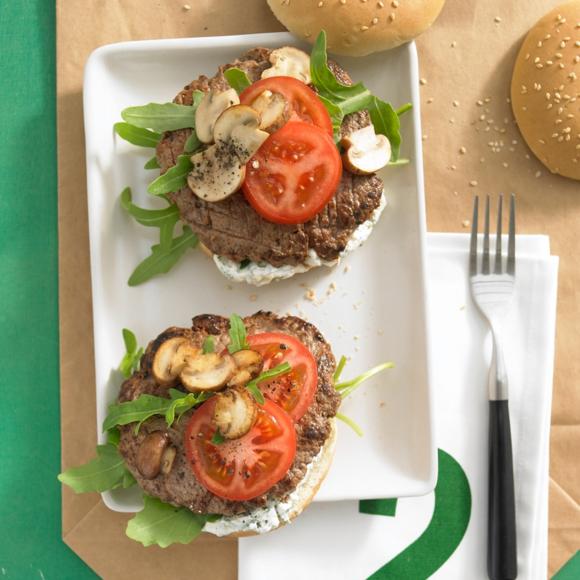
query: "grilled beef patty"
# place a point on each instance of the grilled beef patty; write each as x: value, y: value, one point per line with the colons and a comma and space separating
x: 233, y: 229
x: 180, y: 486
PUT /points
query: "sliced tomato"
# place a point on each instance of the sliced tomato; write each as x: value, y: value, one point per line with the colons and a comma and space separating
x: 294, y: 174
x: 304, y: 102
x: 295, y: 390
x: 244, y: 468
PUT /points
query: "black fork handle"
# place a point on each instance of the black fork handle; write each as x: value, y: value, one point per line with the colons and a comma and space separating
x: 501, y: 531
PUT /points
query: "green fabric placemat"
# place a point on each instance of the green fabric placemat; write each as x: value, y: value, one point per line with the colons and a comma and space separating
x: 30, y: 503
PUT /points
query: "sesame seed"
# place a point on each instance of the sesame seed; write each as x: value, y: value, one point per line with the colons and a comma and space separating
x: 395, y: 3
x: 375, y: 20
x: 473, y: 183
x: 453, y: 167
x: 465, y: 223
x: 561, y: 65
x: 462, y: 150
x: 455, y: 103
x: 364, y: 28
x: 577, y: 44
x: 453, y: 44
x: 429, y: 100
x: 343, y: 2
x: 539, y: 45
x: 539, y: 65
x: 424, y: 137
x: 572, y: 76
x: 320, y: 4
x: 497, y: 19
x: 506, y: 165
x: 527, y: 57
x: 422, y: 81
x: 541, y: 141
x: 391, y: 17
x: 381, y: 4
x: 186, y: 7
x: 562, y: 44
x: 538, y: 174
x: 558, y: 55
x: 537, y: 59
x: 479, y: 103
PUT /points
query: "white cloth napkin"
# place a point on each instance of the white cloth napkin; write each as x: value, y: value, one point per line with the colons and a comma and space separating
x: 335, y: 541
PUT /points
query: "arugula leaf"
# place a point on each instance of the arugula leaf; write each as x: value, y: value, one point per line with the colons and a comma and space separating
x: 173, y: 179
x: 114, y: 436
x: 349, y: 98
x: 237, y: 334
x: 347, y: 387
x: 149, y: 217
x: 339, y: 369
x: 237, y: 79
x: 130, y: 362
x: 256, y: 393
x: 245, y: 263
x: 181, y: 405
x: 176, y: 393
x: 163, y: 524
x: 192, y: 143
x: 386, y: 122
x: 340, y: 99
x: 106, y: 471
x: 146, y: 406
x: 137, y: 135
x: 208, y: 344
x: 152, y: 163
x: 399, y: 162
x: 160, y: 116
x: 402, y: 110
x: 252, y: 386
x: 162, y: 259
x: 352, y: 424
x: 217, y: 438
x: 336, y: 116
x: 136, y: 411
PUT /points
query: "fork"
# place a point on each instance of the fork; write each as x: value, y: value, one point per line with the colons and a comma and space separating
x: 492, y: 292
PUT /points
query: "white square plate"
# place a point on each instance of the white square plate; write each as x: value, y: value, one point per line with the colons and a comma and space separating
x: 376, y: 313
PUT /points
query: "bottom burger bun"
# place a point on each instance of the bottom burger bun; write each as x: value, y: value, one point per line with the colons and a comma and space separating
x: 301, y: 497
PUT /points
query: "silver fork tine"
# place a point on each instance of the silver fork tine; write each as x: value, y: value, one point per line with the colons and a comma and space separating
x: 473, y: 242
x: 497, y: 269
x: 511, y: 260
x: 485, y: 258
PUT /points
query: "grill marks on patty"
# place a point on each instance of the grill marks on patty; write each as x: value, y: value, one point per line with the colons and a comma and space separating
x: 233, y: 229
x: 180, y: 487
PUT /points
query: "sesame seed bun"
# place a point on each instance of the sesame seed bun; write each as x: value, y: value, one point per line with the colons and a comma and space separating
x: 545, y: 90
x: 357, y: 27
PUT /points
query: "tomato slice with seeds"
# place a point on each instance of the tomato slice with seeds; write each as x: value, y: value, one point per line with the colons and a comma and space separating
x: 305, y: 104
x: 244, y: 468
x: 294, y: 174
x: 294, y: 391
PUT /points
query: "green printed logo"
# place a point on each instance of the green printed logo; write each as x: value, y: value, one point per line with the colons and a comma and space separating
x: 443, y: 534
